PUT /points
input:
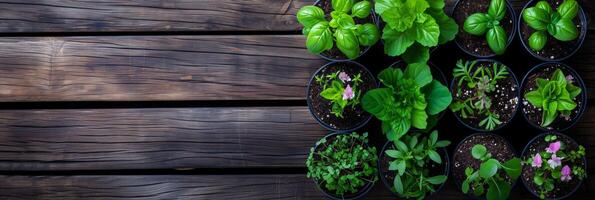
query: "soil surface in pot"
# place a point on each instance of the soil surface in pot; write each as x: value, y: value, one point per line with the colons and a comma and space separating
x: 534, y: 114
x: 478, y: 45
x: 554, y: 49
x: 496, y: 145
x: 435, y: 169
x: 539, y: 145
x: 335, y: 53
x: 322, y: 107
x: 504, y: 99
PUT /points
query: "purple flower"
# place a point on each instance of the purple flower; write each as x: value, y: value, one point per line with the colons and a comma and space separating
x: 569, y: 78
x: 537, y: 160
x: 555, y: 161
x: 344, y: 77
x: 565, y: 173
x: 554, y: 147
x: 348, y: 93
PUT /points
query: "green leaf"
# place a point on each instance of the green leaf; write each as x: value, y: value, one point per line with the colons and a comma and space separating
x: 398, y: 184
x: 399, y: 18
x: 344, y: 21
x: 437, y: 180
x: 442, y: 143
x: 374, y: 102
x: 342, y: 5
x: 538, y: 180
x: 320, y: 38
x: 478, y: 151
x: 544, y: 5
x: 476, y: 24
x: 380, y: 6
x: 436, y: 4
x: 416, y: 53
x: 433, y: 138
x: 392, y: 153
x: 568, y: 9
x: 565, y: 30
x: 427, y: 32
x: 536, y: 18
x: 448, y: 26
x: 434, y: 156
x: 573, y: 90
x: 347, y: 42
x: 368, y: 34
x: 400, y: 127
x: 401, y: 146
x: 538, y: 40
x: 497, y: 39
x: 331, y: 94
x: 361, y: 9
x: 465, y: 186
x: 512, y: 167
x: 438, y: 97
x: 401, y: 165
x: 534, y: 97
x: 419, y: 72
x: 566, y: 104
x: 390, y: 77
x: 395, y: 42
x: 498, y: 190
x: 550, y: 113
x: 497, y: 9
x: 310, y: 16
x: 418, y: 119
x: 489, y: 168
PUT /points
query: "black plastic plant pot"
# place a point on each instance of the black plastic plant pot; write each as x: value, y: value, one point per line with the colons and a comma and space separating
x: 385, y: 174
x: 477, y: 46
x: 508, y: 94
x: 321, y: 108
x: 554, y: 50
x: 500, y: 148
x: 533, y: 115
x: 335, y: 54
x: 538, y: 144
x: 359, y: 194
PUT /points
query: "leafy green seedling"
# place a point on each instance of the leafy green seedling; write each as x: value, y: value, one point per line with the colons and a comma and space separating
x: 341, y: 89
x: 489, y: 24
x: 557, y: 23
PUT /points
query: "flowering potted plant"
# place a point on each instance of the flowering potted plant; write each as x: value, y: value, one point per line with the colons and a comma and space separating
x: 343, y: 166
x: 554, y: 166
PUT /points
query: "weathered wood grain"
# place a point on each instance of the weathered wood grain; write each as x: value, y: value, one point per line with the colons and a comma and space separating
x: 141, y: 16
x: 151, y: 68
x: 154, y: 138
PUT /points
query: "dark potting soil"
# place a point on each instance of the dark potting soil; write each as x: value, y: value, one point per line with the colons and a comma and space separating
x: 478, y: 44
x: 560, y: 189
x: 504, y: 99
x: 496, y: 145
x: 534, y: 114
x: 322, y: 107
x: 335, y: 53
x: 554, y: 49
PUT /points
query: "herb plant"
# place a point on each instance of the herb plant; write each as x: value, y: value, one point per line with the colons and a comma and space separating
x: 498, y: 188
x: 556, y: 171
x: 340, y: 89
x: 410, y: 160
x: 413, y: 26
x: 555, y: 96
x: 557, y: 23
x: 407, y: 99
x: 489, y: 24
x: 343, y: 164
x: 483, y: 81
x: 341, y: 29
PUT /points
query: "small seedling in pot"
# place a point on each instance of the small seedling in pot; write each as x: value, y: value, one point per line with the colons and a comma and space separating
x: 486, y: 180
x: 410, y: 161
x: 489, y: 24
x: 555, y: 96
x: 341, y: 89
x: 557, y: 23
x: 341, y: 29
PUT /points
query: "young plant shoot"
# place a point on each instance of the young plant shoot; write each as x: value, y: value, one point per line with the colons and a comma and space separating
x: 557, y: 23
x: 341, y: 29
x: 489, y: 24
x: 487, y: 176
x: 413, y: 26
x: 410, y: 160
x: 341, y: 89
x: 407, y: 99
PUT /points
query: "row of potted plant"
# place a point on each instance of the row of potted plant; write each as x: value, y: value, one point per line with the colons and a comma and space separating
x: 550, y: 30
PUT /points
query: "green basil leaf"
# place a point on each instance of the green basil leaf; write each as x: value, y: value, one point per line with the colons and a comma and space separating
x: 347, y: 42
x: 565, y: 30
x: 416, y: 53
x: 361, y: 9
x: 395, y: 42
x: 497, y: 39
x: 476, y: 24
x: 489, y: 168
x: 419, y: 119
x: 568, y: 9
x: 448, y: 26
x: 419, y: 72
x: 344, y: 21
x: 342, y: 5
x: 536, y: 18
x: 310, y: 16
x: 320, y: 38
x: 438, y: 97
x: 544, y: 5
x: 436, y: 4
x: 306, y: 30
x: 497, y: 9
x: 427, y: 32
x: 368, y: 34
x: 537, y: 40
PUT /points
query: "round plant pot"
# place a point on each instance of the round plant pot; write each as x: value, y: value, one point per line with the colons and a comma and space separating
x: 533, y: 115
x: 499, y: 147
x: 508, y: 94
x: 384, y: 172
x: 320, y: 108
x: 335, y: 54
x: 359, y: 194
x: 477, y: 45
x: 554, y: 50
x: 538, y: 144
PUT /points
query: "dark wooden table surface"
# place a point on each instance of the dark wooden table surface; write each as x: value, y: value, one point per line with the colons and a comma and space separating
x: 187, y: 99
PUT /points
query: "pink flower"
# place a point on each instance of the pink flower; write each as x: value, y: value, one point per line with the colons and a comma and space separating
x: 348, y: 93
x: 537, y: 160
x: 555, y: 161
x: 344, y: 77
x: 565, y: 173
x: 553, y: 148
